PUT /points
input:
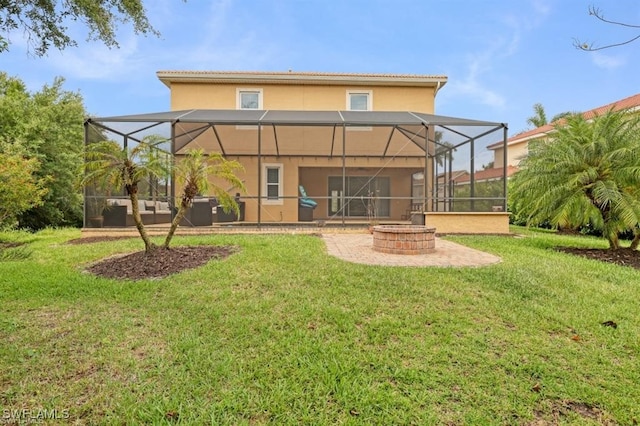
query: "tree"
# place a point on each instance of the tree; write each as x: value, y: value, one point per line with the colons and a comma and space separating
x: 590, y: 47
x: 20, y: 189
x: 193, y: 173
x: 586, y: 173
x: 109, y: 166
x: 47, y: 125
x: 45, y: 21
x: 539, y: 118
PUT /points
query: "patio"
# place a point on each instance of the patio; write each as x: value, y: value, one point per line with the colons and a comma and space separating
x: 382, y: 166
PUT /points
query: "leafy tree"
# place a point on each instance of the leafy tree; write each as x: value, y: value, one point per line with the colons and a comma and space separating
x: 193, y: 173
x: 48, y: 126
x: 587, y: 173
x: 539, y: 118
x: 45, y: 21
x: 20, y: 189
x: 109, y: 166
x: 598, y: 14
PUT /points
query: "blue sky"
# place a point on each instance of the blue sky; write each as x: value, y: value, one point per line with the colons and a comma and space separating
x: 501, y: 56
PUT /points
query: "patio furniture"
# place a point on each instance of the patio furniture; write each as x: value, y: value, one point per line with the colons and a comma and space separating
x: 222, y: 215
x: 119, y: 213
x: 199, y: 214
x: 305, y: 206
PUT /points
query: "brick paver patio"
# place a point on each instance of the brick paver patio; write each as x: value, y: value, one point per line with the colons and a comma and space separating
x: 358, y: 248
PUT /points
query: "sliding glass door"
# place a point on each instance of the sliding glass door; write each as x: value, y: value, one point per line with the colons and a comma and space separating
x: 365, y: 196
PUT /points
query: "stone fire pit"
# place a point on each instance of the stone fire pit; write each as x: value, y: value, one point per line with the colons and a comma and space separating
x: 404, y: 239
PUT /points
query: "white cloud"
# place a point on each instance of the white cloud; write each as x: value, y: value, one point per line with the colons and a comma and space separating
x: 504, y: 44
x: 607, y: 61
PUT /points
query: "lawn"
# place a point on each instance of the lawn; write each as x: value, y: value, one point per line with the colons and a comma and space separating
x: 282, y: 333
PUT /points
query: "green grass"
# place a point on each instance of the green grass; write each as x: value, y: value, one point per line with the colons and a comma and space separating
x: 282, y: 333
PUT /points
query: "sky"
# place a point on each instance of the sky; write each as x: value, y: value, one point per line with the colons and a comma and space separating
x: 500, y: 56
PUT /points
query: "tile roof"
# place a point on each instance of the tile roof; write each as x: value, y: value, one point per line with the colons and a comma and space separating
x: 626, y: 103
x: 487, y: 174
x: 300, y: 73
x: 290, y: 77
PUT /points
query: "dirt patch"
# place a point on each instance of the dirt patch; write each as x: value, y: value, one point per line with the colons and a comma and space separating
x: 8, y: 245
x: 160, y: 262
x: 623, y: 256
x: 560, y: 410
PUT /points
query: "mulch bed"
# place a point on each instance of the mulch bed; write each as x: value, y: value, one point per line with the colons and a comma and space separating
x: 160, y: 262
x: 622, y: 256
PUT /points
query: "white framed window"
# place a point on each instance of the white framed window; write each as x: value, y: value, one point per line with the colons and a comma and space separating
x: 359, y: 100
x: 272, y: 186
x: 249, y: 99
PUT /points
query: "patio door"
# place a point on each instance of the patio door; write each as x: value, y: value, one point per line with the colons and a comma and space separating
x: 364, y: 196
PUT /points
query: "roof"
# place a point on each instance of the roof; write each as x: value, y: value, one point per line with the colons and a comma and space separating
x: 314, y: 78
x: 487, y: 174
x: 632, y: 102
x: 312, y: 118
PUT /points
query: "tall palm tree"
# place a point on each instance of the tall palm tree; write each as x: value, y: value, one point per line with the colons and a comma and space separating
x: 587, y: 172
x: 110, y: 166
x: 193, y: 173
x: 539, y: 118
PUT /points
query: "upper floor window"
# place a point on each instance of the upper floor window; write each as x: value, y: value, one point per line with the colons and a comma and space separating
x: 359, y: 100
x: 249, y: 99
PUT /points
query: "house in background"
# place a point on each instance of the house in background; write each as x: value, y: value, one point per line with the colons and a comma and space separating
x: 517, y: 146
x: 362, y: 146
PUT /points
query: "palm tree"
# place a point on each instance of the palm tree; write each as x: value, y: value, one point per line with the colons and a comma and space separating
x: 539, y: 118
x: 109, y: 166
x: 193, y: 173
x: 587, y: 172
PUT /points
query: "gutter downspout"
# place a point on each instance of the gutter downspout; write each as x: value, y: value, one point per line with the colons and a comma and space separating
x: 438, y: 85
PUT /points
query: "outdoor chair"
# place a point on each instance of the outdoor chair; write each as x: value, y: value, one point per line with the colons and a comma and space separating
x: 305, y: 206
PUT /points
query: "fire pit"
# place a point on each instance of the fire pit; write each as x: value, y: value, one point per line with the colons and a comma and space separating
x: 404, y: 239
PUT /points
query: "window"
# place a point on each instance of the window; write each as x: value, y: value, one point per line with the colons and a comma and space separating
x: 272, y: 186
x: 249, y: 99
x: 359, y: 100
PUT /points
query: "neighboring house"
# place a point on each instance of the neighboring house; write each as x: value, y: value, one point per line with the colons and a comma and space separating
x: 359, y: 144
x: 518, y: 145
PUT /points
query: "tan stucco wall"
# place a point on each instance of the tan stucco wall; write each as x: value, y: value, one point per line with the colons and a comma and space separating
x: 515, y: 153
x: 313, y: 173
x: 300, y: 97
x: 468, y: 223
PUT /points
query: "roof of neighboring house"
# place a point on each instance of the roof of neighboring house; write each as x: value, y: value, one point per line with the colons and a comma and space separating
x: 632, y: 102
x: 453, y: 175
x: 290, y: 77
x: 487, y: 174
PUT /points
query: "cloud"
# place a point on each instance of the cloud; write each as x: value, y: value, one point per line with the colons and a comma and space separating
x: 607, y: 61
x: 504, y: 44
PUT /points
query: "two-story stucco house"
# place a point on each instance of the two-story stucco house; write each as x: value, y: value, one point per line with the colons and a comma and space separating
x: 362, y: 146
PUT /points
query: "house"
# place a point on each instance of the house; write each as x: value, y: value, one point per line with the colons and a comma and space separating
x: 362, y: 146
x: 518, y: 145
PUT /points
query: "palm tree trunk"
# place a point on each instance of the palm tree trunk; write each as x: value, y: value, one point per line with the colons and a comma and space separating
x: 148, y: 245
x: 614, y: 243
x: 174, y: 224
x: 636, y: 240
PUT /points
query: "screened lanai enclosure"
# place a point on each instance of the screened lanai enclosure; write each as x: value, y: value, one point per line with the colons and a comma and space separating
x: 307, y: 166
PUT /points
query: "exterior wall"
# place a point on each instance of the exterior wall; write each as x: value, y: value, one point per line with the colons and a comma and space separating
x: 309, y: 149
x: 468, y: 223
x: 313, y: 173
x: 301, y: 97
x: 515, y: 152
